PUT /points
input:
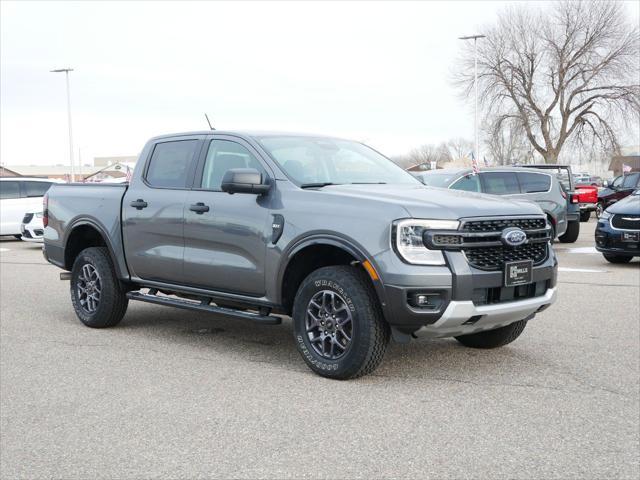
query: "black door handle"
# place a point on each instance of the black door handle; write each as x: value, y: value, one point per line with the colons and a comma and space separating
x: 139, y: 204
x: 199, y: 208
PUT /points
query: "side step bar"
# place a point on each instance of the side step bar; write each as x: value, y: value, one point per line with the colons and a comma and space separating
x: 203, y: 306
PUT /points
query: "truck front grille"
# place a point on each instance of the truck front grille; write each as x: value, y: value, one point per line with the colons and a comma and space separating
x: 499, y: 224
x: 494, y: 258
x: 626, y: 222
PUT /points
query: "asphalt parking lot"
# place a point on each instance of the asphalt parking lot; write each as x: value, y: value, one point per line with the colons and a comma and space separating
x: 175, y: 394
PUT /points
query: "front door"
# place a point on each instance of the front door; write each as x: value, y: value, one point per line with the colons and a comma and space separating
x: 226, y: 235
x: 153, y: 210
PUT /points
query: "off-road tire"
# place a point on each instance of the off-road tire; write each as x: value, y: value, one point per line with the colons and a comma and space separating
x: 113, y: 300
x: 493, y: 338
x: 572, y: 233
x: 585, y: 216
x: 370, y: 334
x: 617, y: 258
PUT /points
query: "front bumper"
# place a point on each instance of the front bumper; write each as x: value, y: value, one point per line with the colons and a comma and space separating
x: 610, y: 240
x: 464, y: 318
x: 462, y: 292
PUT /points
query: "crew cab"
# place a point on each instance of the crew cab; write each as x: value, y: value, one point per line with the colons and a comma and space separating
x: 328, y: 231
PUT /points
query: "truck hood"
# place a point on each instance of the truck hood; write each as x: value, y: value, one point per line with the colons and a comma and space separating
x: 437, y: 203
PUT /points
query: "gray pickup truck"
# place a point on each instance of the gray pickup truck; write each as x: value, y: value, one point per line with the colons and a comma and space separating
x: 325, y: 230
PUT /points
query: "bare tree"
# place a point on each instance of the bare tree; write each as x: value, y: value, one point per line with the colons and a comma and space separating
x: 459, y: 147
x: 569, y: 73
x: 429, y: 153
x: 507, y: 142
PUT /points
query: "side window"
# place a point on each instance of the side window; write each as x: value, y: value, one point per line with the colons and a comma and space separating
x: 617, y: 182
x: 9, y: 190
x: 224, y: 155
x: 500, y: 183
x: 630, y: 180
x: 534, y: 182
x: 468, y: 183
x: 170, y: 162
x: 36, y: 189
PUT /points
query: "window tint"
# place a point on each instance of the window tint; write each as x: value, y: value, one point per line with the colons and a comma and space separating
x: 36, y: 189
x: 9, y: 190
x: 500, y: 183
x: 630, y: 180
x: 224, y: 155
x: 170, y: 162
x: 468, y: 183
x: 617, y: 182
x: 534, y: 182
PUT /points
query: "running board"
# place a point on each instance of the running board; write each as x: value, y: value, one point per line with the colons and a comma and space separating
x: 203, y: 306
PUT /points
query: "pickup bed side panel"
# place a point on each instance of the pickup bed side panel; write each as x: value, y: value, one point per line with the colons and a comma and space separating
x: 97, y: 205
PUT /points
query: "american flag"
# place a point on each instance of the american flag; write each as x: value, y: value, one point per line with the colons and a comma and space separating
x: 474, y: 163
x: 626, y: 168
x: 129, y: 173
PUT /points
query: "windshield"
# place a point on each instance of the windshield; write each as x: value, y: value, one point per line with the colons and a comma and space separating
x: 317, y: 161
x: 436, y: 179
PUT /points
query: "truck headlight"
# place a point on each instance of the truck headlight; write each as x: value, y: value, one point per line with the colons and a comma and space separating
x: 409, y: 244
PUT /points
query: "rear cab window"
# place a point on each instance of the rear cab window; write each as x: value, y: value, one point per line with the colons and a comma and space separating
x: 499, y: 183
x: 9, y: 190
x: 36, y: 189
x: 171, y: 163
x: 531, y: 182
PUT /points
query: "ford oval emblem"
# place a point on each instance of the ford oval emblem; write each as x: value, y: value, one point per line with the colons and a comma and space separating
x: 513, y: 237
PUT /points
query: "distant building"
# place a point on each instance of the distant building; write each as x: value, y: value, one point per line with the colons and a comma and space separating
x: 60, y: 172
x: 111, y: 173
x: 6, y: 172
x: 107, y: 161
x: 617, y: 163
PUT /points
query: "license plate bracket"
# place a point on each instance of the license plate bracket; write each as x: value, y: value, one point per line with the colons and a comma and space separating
x: 631, y: 236
x: 518, y: 273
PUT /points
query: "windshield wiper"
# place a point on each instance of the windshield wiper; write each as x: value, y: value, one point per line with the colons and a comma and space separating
x: 318, y: 184
x: 368, y: 183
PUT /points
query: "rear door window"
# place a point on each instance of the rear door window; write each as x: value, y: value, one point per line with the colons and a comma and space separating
x: 630, y: 180
x: 499, y: 183
x: 36, y: 189
x: 531, y: 182
x: 9, y: 190
x: 171, y: 163
x: 468, y: 183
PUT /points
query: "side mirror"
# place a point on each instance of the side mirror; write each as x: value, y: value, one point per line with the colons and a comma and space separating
x: 605, y: 184
x: 244, y: 180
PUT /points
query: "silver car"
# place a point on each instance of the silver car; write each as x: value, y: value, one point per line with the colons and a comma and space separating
x: 535, y: 185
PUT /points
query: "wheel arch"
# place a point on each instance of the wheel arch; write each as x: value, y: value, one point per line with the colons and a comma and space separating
x: 313, y: 252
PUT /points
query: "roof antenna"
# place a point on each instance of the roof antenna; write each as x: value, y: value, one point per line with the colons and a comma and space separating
x: 207, y: 117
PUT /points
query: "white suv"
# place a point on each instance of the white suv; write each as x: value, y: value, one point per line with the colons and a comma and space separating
x: 19, y: 195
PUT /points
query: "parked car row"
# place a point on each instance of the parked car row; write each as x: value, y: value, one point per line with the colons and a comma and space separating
x: 21, y: 207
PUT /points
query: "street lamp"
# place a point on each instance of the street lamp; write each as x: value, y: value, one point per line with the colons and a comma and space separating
x: 475, y: 86
x: 66, y: 72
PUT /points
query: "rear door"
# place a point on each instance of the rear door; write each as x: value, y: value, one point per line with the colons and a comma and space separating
x: 153, y: 209
x: 225, y: 246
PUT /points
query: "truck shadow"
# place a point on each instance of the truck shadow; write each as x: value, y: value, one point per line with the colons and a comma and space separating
x: 208, y: 337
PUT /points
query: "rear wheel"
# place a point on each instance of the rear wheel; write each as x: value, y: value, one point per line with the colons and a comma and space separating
x: 599, y: 209
x: 493, y: 338
x: 571, y: 235
x: 96, y: 294
x: 585, y: 216
x: 338, y: 323
x: 617, y: 258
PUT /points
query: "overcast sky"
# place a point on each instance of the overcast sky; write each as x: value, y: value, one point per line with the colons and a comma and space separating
x: 373, y: 71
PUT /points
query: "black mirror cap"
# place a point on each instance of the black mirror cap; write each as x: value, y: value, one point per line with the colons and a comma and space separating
x: 244, y: 180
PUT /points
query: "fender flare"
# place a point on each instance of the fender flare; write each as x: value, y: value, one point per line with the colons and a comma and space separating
x: 333, y: 240
x: 105, y: 236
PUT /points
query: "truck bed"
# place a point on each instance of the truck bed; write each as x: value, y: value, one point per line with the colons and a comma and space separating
x: 72, y: 205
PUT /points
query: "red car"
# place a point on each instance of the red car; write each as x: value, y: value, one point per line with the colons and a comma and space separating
x: 587, y: 198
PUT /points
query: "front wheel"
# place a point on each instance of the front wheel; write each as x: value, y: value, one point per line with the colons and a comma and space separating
x: 338, y: 323
x: 493, y: 338
x: 599, y: 209
x: 571, y: 235
x: 96, y: 294
x: 617, y: 258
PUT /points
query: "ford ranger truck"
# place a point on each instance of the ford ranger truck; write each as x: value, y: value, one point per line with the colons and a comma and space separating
x: 324, y: 230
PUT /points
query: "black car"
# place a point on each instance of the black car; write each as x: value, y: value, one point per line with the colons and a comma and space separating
x: 618, y: 230
x: 618, y: 189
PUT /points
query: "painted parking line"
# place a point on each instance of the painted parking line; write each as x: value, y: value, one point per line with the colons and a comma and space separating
x: 583, y: 270
x: 4, y: 249
x: 582, y: 250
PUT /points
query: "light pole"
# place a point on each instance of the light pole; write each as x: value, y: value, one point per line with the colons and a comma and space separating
x: 476, y: 150
x: 66, y: 72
